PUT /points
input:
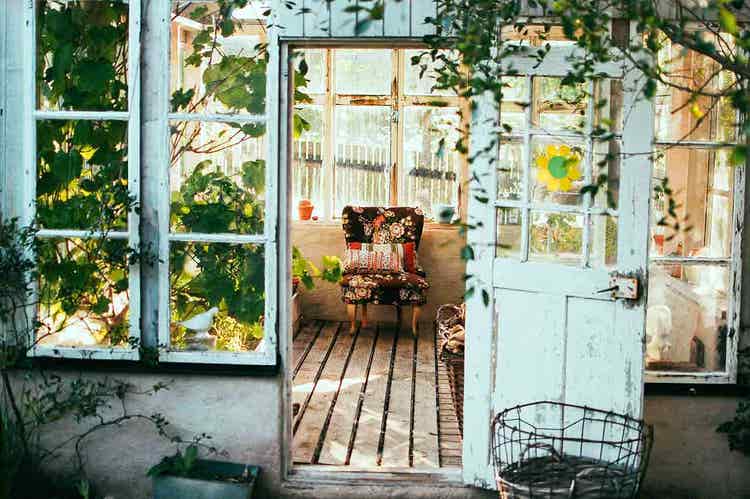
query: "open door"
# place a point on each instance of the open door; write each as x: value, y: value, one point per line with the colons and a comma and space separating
x: 564, y: 271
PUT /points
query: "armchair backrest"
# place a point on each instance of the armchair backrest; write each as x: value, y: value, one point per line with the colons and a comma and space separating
x: 375, y: 224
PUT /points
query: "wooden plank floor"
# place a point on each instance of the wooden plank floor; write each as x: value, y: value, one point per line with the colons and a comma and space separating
x: 378, y: 398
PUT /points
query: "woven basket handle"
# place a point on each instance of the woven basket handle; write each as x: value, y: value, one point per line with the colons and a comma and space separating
x: 544, y: 446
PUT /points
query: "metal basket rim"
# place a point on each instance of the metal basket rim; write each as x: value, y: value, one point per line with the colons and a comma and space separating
x: 500, y: 421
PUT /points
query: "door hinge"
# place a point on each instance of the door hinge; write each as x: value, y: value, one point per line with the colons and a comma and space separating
x: 394, y: 116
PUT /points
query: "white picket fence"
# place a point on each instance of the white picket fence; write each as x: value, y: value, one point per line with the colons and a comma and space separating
x: 363, y: 176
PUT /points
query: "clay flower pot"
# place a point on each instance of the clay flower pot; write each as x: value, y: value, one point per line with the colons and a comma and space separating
x: 305, y: 209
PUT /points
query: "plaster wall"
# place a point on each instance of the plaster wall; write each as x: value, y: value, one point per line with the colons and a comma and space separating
x: 244, y: 417
x: 439, y: 255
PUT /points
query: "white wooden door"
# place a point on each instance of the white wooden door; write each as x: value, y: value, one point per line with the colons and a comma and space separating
x: 539, y: 326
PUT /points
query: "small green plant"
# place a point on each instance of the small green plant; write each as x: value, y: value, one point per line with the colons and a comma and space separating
x: 179, y: 464
x: 305, y: 271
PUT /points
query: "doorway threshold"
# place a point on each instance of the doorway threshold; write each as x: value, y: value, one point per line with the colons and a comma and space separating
x: 305, y: 474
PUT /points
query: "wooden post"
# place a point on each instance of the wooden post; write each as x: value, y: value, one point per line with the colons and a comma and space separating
x: 364, y: 315
x: 416, y: 312
x: 351, y: 312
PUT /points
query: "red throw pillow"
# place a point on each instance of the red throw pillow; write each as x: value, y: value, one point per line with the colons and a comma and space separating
x: 409, y: 257
x: 364, y: 257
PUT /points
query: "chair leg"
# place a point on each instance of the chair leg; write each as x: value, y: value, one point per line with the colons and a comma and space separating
x: 363, y: 316
x: 416, y: 311
x: 351, y: 311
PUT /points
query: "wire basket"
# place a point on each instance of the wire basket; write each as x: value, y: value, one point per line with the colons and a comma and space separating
x: 553, y: 450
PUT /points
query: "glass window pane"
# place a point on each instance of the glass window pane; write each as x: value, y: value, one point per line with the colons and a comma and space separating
x: 510, y: 170
x: 606, y: 173
x: 558, y: 106
x: 509, y: 233
x: 82, y: 175
x: 686, y: 319
x: 315, y: 59
x: 217, y: 178
x: 363, y: 71
x: 514, y: 103
x: 603, y: 241
x: 608, y: 106
x: 82, y: 50
x: 217, y: 62
x: 702, y: 189
x: 557, y: 174
x: 84, y: 299
x: 217, y: 296
x: 307, y: 156
x: 680, y: 115
x: 362, y: 156
x: 556, y: 238
x: 430, y: 177
x: 415, y: 84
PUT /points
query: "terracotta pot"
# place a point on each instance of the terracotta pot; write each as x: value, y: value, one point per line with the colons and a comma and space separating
x: 305, y: 209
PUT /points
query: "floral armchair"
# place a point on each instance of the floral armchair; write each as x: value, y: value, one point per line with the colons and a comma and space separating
x: 378, y: 225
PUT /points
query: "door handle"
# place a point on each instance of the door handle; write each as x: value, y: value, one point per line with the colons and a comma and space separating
x: 622, y: 286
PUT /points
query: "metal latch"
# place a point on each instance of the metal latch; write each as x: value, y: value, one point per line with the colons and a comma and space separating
x: 621, y: 286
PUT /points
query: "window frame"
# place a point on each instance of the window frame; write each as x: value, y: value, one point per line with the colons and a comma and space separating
x: 587, y: 209
x: 732, y: 262
x: 268, y: 353
x: 397, y: 100
x: 132, y: 235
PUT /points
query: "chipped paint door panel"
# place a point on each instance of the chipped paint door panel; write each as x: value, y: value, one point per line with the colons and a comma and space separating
x: 554, y: 334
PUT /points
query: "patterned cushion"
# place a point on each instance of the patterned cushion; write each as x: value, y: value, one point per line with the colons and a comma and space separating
x: 403, y: 288
x: 383, y: 280
x: 364, y: 257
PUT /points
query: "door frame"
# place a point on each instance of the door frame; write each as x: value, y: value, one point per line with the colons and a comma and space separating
x: 303, y: 475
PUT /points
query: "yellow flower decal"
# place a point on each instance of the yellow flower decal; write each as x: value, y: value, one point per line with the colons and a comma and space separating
x: 557, y: 168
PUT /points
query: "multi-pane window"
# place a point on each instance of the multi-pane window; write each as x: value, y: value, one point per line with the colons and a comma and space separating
x: 691, y: 303
x: 84, y: 191
x: 218, y: 234
x: 547, y: 154
x: 370, y: 129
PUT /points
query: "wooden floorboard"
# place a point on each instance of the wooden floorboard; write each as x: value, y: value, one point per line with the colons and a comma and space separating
x: 308, y: 375
x: 340, y: 429
x: 365, y: 448
x: 397, y: 437
x: 426, y: 447
x: 303, y: 342
x: 322, y: 400
x: 362, y: 406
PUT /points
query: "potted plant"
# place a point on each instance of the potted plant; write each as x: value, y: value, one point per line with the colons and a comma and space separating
x: 304, y: 272
x: 184, y: 476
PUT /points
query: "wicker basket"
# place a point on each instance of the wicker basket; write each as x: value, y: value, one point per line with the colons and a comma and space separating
x: 584, y: 453
x: 447, y: 317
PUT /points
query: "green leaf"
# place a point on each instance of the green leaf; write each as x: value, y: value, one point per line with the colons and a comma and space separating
x: 728, y: 21
x: 649, y: 89
x: 467, y: 253
x: 739, y: 155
